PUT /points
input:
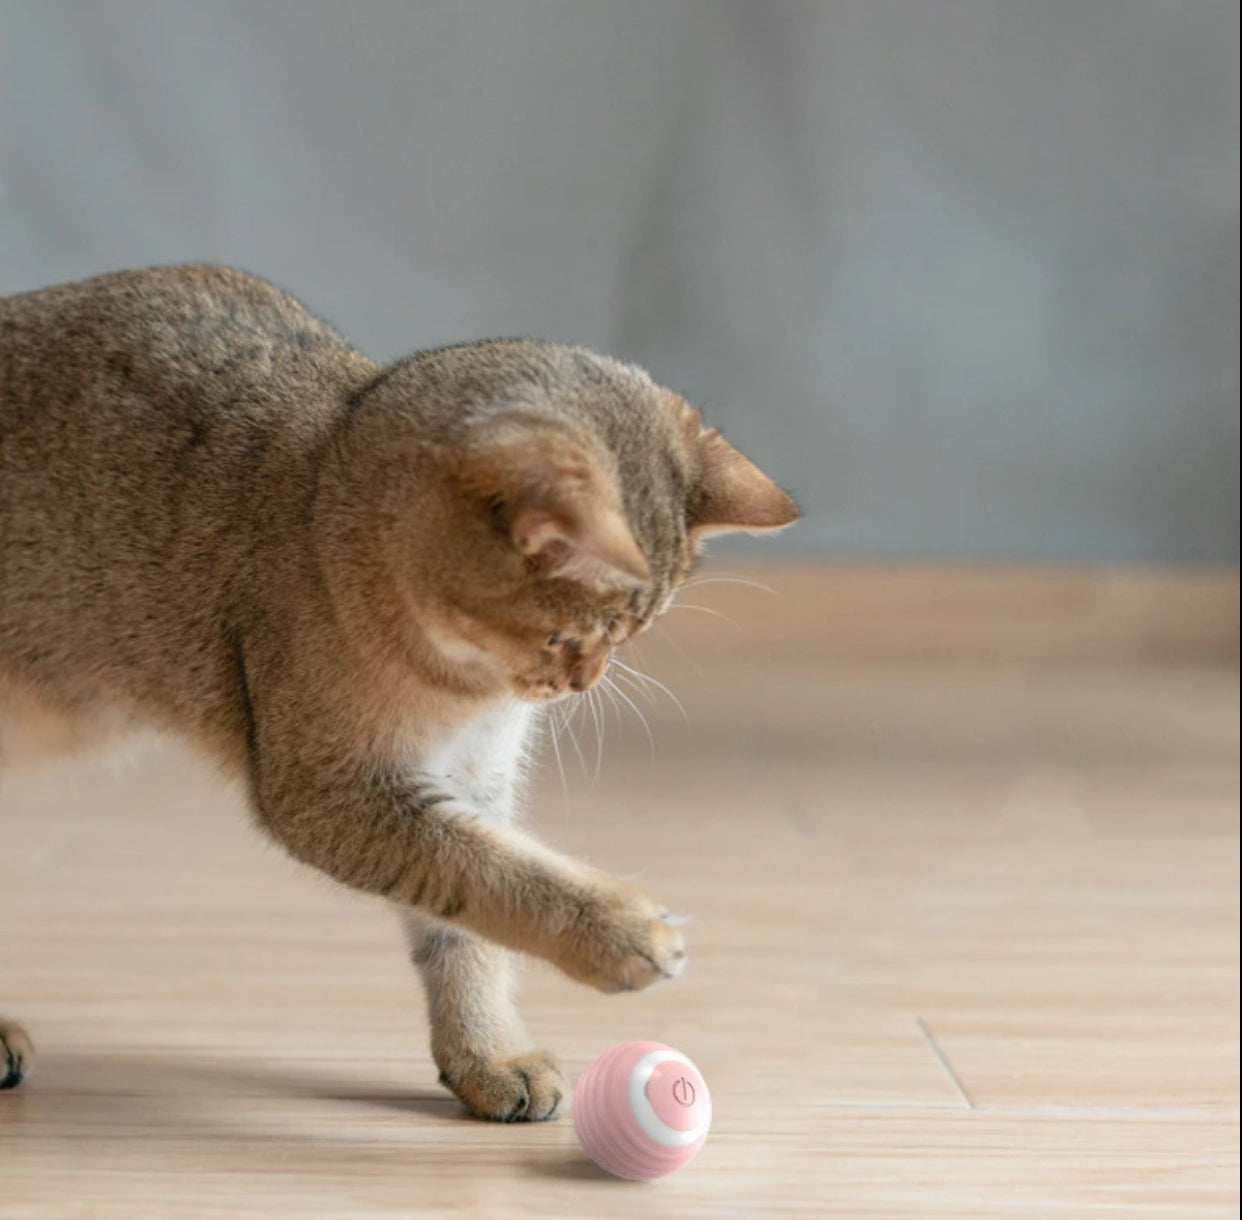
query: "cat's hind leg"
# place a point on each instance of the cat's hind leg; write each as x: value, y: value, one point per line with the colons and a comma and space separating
x: 477, y: 1038
x: 16, y: 1054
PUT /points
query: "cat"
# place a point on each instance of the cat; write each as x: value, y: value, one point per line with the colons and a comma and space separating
x: 354, y: 587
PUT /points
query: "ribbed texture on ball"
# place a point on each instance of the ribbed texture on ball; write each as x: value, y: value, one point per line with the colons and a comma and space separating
x: 606, y: 1125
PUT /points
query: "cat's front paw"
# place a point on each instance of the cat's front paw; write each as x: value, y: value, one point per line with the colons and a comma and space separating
x: 622, y: 941
x: 524, y: 1089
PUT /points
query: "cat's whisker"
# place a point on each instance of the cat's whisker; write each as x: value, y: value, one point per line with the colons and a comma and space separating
x: 629, y: 677
x: 672, y: 641
x: 616, y: 690
x: 571, y: 712
x: 599, y: 733
x: 556, y: 718
x: 703, y: 610
x: 647, y: 678
x: 604, y: 689
x: 639, y: 691
x: 726, y: 578
x: 560, y: 765
x: 631, y: 669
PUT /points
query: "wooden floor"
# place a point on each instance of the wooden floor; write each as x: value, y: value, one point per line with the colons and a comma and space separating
x: 965, y: 939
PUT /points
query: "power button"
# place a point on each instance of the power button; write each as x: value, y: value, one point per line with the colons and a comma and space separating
x: 677, y: 1094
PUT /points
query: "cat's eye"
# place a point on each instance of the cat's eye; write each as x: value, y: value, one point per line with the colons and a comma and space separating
x: 555, y: 638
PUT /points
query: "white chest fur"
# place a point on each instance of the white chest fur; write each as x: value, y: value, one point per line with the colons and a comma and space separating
x: 481, y: 765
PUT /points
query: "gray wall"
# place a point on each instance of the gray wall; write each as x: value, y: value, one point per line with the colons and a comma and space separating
x: 963, y: 273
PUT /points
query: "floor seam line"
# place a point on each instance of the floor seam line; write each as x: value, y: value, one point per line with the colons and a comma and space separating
x: 943, y: 1060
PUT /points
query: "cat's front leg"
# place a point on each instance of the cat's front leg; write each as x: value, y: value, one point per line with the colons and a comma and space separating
x: 375, y: 831
x: 380, y: 826
x: 613, y: 936
x: 477, y: 1038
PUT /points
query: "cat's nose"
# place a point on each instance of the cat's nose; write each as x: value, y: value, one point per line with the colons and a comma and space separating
x: 588, y: 671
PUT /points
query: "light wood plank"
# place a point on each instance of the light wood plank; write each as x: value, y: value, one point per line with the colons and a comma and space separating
x: 965, y: 940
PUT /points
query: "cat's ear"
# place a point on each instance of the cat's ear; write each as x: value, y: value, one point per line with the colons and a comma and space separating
x: 731, y: 493
x: 556, y: 497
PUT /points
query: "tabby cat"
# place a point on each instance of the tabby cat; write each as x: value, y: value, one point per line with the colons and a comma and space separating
x: 354, y: 586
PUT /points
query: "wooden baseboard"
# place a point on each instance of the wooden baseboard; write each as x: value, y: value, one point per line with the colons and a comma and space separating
x: 850, y: 614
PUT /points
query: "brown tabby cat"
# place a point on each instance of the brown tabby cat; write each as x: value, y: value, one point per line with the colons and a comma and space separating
x: 353, y: 586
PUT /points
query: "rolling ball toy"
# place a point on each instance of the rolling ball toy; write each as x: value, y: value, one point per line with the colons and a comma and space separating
x: 641, y: 1110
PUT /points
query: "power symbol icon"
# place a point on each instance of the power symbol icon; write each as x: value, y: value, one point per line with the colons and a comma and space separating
x: 683, y: 1091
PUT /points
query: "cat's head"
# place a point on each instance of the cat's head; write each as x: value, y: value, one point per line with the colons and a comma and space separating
x: 563, y: 497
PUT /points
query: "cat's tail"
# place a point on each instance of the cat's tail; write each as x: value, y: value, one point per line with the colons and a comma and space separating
x: 16, y: 1054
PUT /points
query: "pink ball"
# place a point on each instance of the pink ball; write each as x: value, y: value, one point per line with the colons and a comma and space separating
x: 641, y: 1110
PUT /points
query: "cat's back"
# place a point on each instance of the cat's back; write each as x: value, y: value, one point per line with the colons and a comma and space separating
x: 136, y: 384
x: 157, y: 434
x: 193, y: 337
